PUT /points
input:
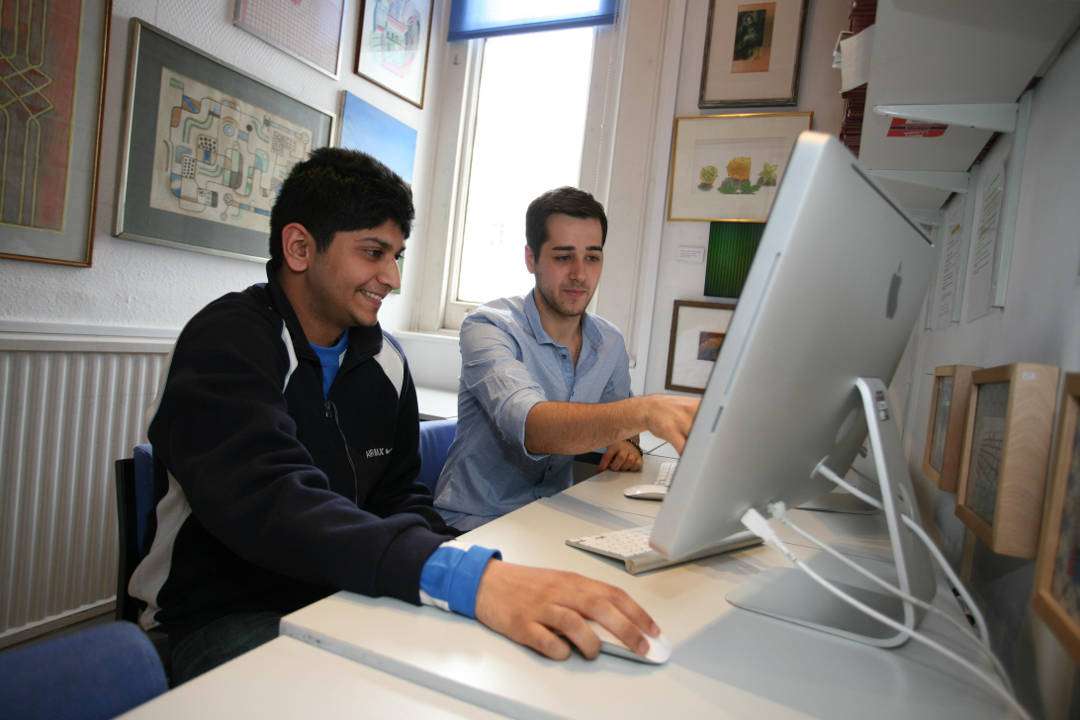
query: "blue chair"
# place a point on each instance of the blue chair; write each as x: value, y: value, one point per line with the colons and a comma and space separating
x: 435, y: 439
x: 99, y: 672
x: 140, y: 483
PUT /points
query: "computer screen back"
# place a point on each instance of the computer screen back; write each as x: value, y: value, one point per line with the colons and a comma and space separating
x: 832, y: 295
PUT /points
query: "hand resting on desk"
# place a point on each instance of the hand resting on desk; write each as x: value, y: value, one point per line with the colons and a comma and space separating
x: 535, y: 606
x: 622, y: 456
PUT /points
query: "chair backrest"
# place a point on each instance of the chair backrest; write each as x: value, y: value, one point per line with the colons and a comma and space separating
x: 435, y: 439
x: 140, y: 483
x: 99, y: 672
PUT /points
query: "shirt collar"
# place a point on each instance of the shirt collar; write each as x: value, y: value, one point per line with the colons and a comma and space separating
x: 589, y: 330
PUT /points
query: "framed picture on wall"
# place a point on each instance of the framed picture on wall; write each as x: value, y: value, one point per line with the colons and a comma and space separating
x: 752, y: 53
x: 698, y: 330
x: 1057, y: 572
x: 1006, y: 449
x: 310, y: 31
x: 205, y: 149
x: 728, y: 167
x: 392, y: 46
x: 945, y: 431
x: 51, y: 104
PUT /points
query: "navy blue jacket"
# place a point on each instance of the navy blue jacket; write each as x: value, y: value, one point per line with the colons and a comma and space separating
x: 277, y: 496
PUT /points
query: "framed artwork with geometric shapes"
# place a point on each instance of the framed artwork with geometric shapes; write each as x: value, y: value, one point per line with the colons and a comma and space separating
x: 945, y: 427
x: 392, y: 46
x: 1057, y: 571
x: 51, y: 94
x: 206, y: 148
x: 309, y: 30
x: 1006, y: 450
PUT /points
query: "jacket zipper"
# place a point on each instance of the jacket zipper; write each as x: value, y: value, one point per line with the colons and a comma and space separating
x: 330, y: 411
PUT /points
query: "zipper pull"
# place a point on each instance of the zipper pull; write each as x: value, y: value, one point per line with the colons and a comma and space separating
x: 328, y: 410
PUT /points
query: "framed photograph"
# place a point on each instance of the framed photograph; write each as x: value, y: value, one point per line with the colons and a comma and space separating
x: 205, y: 149
x: 752, y: 53
x: 1006, y: 450
x: 52, y: 117
x: 1057, y: 572
x: 727, y: 167
x: 698, y: 330
x: 945, y: 428
x: 392, y: 46
x: 309, y: 30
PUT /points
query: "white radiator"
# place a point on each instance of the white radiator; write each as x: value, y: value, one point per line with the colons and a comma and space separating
x: 70, y: 405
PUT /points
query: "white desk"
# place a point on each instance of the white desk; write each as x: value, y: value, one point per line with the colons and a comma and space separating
x: 436, y: 404
x: 289, y: 679
x: 726, y: 662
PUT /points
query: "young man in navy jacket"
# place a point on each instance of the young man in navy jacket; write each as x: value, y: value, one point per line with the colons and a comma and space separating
x: 288, y: 426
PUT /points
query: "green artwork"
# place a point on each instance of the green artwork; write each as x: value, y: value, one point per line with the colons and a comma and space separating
x: 731, y: 251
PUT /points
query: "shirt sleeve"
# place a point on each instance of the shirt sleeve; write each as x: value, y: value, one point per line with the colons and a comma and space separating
x: 451, y: 576
x: 495, y: 375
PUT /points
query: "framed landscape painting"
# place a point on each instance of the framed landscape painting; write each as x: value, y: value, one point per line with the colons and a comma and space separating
x: 728, y: 167
x: 51, y: 96
x: 205, y: 149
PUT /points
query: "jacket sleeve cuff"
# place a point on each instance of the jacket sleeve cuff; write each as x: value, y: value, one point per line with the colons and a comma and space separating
x: 451, y: 576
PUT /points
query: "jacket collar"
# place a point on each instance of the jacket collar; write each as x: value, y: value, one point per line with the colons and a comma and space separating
x: 364, y: 341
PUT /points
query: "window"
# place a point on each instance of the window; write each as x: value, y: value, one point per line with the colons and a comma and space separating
x: 520, y: 129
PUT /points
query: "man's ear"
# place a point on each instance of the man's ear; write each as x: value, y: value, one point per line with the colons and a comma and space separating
x: 297, y: 247
x: 530, y: 259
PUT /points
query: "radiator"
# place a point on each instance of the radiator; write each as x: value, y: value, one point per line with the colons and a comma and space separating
x: 69, y: 407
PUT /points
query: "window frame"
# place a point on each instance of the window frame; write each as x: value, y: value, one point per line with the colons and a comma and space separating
x: 437, y: 309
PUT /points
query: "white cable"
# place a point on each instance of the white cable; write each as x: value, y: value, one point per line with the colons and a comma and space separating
x: 980, y: 621
x: 966, y: 631
x: 756, y: 523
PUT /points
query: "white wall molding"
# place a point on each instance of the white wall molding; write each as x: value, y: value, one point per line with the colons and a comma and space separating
x: 34, y: 336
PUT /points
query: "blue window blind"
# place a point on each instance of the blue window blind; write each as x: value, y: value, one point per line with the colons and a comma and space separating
x: 484, y: 18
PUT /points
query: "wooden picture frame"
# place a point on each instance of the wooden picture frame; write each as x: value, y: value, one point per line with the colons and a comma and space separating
x: 392, y: 51
x: 310, y: 32
x: 1057, y: 572
x: 752, y: 52
x: 1006, y: 450
x: 53, y: 115
x: 728, y: 167
x: 698, y: 330
x: 945, y: 426
x: 194, y: 127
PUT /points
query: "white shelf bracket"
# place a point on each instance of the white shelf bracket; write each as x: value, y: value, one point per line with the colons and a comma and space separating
x: 934, y: 218
x: 1000, y: 117
x: 952, y: 181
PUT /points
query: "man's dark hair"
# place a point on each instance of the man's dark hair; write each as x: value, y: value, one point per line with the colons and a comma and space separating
x: 338, y: 190
x: 560, y: 201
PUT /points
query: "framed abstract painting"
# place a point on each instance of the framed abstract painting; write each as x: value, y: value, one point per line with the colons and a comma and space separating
x: 752, y: 53
x: 698, y: 330
x: 205, y: 149
x: 51, y: 94
x: 392, y: 46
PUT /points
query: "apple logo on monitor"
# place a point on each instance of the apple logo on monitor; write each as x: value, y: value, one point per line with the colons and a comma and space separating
x: 894, y: 293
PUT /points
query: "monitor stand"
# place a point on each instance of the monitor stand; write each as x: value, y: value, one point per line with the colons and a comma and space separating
x: 790, y: 594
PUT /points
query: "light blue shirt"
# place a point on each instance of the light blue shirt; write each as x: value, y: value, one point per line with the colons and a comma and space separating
x: 509, y: 364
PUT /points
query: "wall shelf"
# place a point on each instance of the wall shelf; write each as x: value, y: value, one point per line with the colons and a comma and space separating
x: 964, y: 64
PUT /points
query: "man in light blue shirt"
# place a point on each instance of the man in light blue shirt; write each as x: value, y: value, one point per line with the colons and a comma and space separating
x: 543, y: 380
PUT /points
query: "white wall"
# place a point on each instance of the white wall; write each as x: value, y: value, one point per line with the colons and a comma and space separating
x: 819, y: 87
x: 139, y: 285
x: 1039, y: 323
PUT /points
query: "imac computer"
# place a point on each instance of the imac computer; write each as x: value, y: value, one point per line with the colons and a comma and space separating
x: 826, y: 312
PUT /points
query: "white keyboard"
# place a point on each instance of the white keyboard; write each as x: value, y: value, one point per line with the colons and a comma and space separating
x: 667, y: 471
x: 632, y: 547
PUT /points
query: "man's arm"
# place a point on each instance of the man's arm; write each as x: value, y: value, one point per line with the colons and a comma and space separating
x: 571, y: 428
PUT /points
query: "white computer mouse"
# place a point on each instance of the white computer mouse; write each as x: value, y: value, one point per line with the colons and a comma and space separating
x: 646, y: 492
x: 659, y: 649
